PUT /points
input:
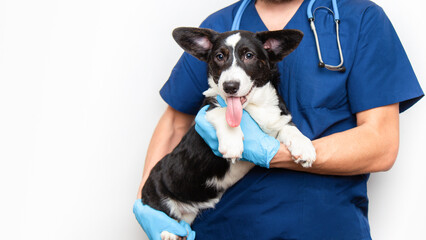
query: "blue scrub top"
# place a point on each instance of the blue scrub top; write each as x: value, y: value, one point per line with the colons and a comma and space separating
x: 284, y: 204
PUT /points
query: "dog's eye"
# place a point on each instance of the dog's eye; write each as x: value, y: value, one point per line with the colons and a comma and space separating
x: 220, y: 57
x: 249, y: 55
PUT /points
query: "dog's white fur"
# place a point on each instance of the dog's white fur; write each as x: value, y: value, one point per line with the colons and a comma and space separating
x: 168, y: 236
x: 234, y: 72
x: 232, y: 40
x: 262, y: 105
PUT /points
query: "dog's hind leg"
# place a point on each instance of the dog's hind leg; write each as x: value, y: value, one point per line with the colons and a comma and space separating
x: 188, y: 218
x: 169, y: 236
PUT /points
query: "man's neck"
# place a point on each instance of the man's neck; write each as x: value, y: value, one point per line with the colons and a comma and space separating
x: 276, y: 14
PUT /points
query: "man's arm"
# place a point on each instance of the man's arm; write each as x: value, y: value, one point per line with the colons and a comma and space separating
x: 372, y: 146
x: 172, y: 126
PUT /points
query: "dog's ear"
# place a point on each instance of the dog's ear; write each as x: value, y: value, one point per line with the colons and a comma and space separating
x: 280, y: 43
x: 196, y: 41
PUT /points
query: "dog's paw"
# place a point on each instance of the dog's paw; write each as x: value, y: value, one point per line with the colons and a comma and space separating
x: 231, y: 150
x: 169, y: 236
x: 302, y: 150
x: 231, y: 144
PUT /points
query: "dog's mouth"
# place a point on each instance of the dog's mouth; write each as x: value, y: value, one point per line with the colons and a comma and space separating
x: 234, y: 109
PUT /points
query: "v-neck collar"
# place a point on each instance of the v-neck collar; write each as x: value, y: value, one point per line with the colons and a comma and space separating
x: 255, y: 24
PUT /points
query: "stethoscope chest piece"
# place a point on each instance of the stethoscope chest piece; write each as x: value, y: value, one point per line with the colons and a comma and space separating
x: 311, y: 18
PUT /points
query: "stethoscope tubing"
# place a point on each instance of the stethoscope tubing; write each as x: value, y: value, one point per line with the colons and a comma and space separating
x: 239, y: 15
x: 309, y: 11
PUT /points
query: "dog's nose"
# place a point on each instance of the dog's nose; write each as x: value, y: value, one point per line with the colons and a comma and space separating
x: 231, y: 87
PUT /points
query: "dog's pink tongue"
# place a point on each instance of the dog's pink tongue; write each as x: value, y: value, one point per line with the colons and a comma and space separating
x: 234, y: 111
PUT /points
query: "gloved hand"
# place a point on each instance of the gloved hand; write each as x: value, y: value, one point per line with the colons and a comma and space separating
x: 154, y: 222
x: 259, y: 147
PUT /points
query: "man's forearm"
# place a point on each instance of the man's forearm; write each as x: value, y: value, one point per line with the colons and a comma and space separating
x: 169, y: 131
x: 372, y: 146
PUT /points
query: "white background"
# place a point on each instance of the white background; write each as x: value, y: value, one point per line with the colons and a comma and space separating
x: 79, y: 100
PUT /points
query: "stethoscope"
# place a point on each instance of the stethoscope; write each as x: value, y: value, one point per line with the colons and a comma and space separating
x: 311, y: 19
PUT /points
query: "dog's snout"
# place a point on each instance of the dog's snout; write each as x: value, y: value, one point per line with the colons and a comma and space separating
x: 231, y: 87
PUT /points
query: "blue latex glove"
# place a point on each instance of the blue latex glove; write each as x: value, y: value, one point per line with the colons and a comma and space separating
x: 154, y: 222
x: 259, y: 147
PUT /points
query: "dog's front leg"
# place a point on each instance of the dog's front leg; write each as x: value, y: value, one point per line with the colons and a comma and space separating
x: 299, y: 145
x: 230, y: 138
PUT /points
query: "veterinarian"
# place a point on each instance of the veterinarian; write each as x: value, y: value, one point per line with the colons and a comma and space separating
x: 351, y: 116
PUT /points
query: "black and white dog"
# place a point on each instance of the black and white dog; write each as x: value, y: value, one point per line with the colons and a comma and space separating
x: 241, y: 69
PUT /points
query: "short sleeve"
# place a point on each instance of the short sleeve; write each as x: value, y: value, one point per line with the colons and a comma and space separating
x: 381, y: 73
x: 183, y: 90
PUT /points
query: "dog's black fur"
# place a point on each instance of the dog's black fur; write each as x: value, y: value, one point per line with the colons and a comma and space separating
x: 182, y: 174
